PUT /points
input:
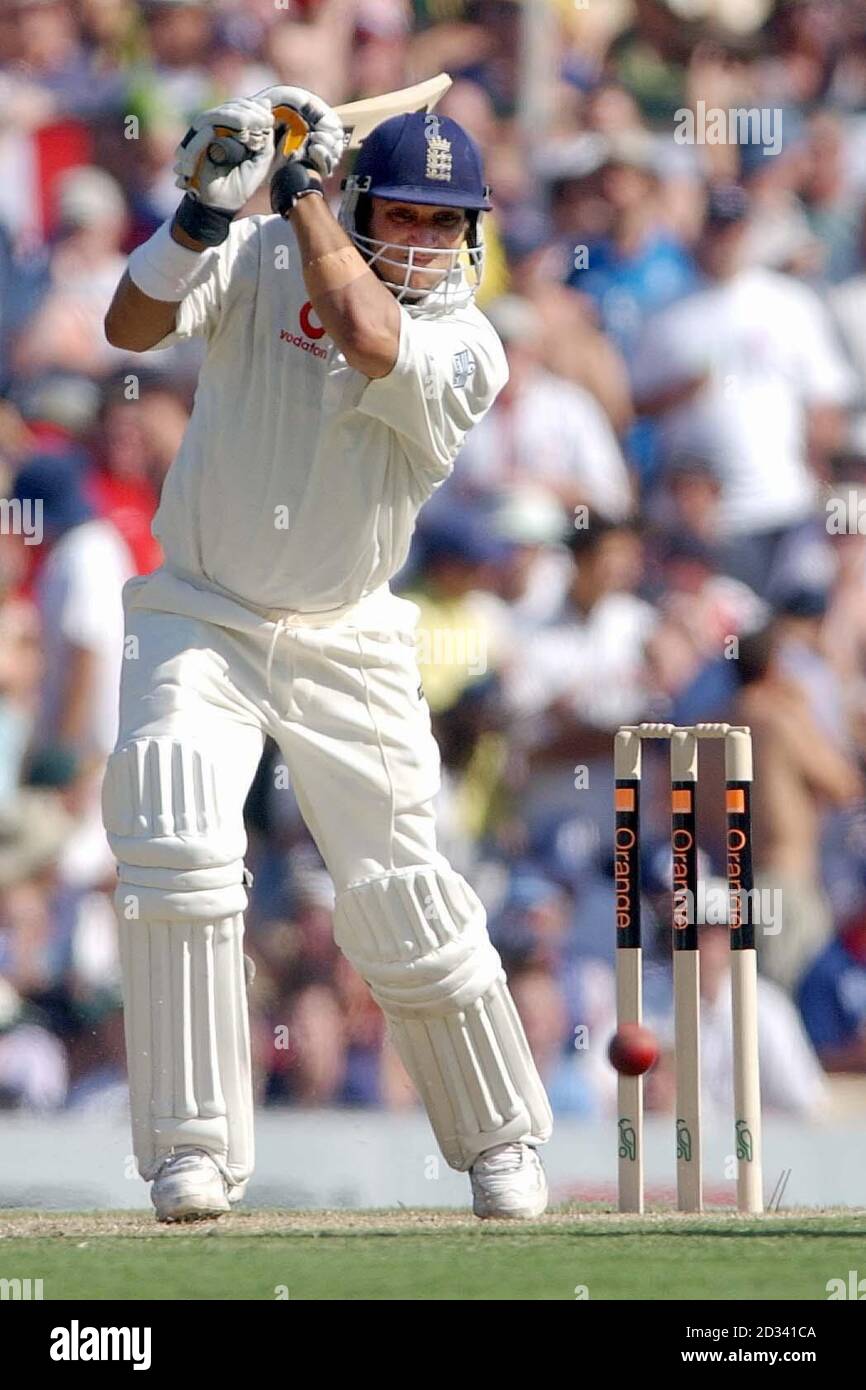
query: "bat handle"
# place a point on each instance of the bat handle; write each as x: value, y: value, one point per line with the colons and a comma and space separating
x: 227, y: 153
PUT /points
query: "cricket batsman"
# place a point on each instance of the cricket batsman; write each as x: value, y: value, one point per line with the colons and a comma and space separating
x: 345, y: 363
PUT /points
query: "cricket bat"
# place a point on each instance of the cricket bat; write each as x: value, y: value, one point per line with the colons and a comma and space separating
x: 358, y: 118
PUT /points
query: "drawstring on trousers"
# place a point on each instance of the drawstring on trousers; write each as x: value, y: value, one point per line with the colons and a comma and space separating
x: 281, y: 626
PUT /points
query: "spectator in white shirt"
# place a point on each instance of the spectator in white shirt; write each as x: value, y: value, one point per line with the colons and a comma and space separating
x: 78, y: 594
x: 537, y: 568
x: 745, y: 369
x: 583, y: 674
x: 543, y: 429
x: 792, y: 1080
x: 847, y: 303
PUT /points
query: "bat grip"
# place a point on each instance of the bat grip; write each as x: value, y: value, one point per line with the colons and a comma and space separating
x: 227, y: 153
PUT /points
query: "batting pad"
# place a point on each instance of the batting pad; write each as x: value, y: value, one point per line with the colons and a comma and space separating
x: 187, y: 1042
x: 419, y: 938
x: 178, y: 834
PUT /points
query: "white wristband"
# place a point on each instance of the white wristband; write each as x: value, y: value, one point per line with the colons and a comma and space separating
x: 163, y: 269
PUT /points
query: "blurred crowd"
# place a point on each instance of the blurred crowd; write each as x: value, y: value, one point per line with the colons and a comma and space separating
x: 662, y: 517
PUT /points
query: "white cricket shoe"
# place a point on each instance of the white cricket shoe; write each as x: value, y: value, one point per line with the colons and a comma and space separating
x: 189, y: 1187
x: 508, y: 1183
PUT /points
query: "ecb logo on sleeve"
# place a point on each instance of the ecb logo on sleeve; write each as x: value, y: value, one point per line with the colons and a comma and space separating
x: 464, y: 367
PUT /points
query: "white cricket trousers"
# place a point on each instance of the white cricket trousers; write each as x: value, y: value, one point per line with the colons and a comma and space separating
x: 202, y: 686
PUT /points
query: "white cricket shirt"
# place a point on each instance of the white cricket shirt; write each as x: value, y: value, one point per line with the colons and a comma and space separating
x: 299, y: 479
x: 765, y: 343
x: 554, y: 430
x: 79, y: 605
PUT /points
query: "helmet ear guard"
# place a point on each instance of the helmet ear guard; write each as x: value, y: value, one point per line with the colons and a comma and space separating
x: 473, y: 216
x: 363, y: 214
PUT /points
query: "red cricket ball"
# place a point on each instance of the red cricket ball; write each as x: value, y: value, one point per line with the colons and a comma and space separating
x: 633, y: 1049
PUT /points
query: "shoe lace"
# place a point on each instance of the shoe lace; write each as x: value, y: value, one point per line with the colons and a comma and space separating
x: 503, y: 1158
x: 186, y: 1158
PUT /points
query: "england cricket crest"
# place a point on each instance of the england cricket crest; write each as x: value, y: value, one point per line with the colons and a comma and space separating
x: 745, y: 1150
x: 684, y: 1141
x: 464, y: 367
x: 438, y: 150
x: 627, y: 1140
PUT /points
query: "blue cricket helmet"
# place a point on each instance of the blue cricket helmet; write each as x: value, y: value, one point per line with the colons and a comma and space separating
x: 420, y: 157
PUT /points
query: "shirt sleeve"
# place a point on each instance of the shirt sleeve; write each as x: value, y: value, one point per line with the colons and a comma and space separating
x: 792, y: 1079
x: 222, y: 268
x: 538, y: 676
x: 447, y: 375
x: 827, y: 1023
x: 656, y: 361
x: 93, y: 573
x: 595, y: 456
x: 826, y: 378
x: 675, y: 346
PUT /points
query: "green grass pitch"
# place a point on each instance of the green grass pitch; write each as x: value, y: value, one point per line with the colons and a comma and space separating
x: 570, y: 1253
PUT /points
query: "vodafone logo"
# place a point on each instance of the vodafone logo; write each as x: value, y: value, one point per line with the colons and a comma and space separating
x: 307, y: 326
x: 305, y: 340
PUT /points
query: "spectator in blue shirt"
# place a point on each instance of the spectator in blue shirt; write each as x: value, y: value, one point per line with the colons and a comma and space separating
x: 832, y: 1000
x: 635, y: 267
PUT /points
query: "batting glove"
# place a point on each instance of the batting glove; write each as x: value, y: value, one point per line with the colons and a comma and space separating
x: 226, y: 186
x: 324, y: 145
